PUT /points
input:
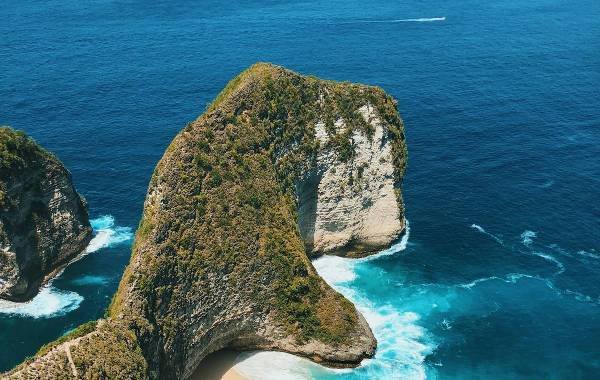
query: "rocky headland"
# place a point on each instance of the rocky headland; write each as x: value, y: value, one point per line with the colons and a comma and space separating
x: 280, y: 168
x: 43, y: 220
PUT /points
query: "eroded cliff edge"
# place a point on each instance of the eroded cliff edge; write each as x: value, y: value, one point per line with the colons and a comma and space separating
x: 279, y: 168
x: 43, y: 220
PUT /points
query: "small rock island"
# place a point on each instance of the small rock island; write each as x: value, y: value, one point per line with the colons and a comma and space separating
x: 279, y: 169
x: 43, y: 221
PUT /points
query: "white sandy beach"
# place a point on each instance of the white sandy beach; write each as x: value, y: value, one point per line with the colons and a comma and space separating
x: 218, y: 366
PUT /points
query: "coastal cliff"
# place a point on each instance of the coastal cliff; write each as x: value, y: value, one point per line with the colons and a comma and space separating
x: 281, y: 167
x: 352, y: 206
x: 43, y: 221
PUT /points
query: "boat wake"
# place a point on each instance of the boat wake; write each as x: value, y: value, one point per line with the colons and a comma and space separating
x: 429, y: 19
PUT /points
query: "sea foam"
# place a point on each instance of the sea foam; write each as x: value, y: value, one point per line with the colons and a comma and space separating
x: 49, y: 302
x: 552, y: 259
x: 107, y: 234
x: 527, y: 237
x: 591, y: 255
x: 334, y: 269
x: 402, y: 342
x: 52, y: 302
x: 399, y: 246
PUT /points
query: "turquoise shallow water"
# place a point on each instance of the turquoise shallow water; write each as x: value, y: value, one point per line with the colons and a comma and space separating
x: 500, y: 277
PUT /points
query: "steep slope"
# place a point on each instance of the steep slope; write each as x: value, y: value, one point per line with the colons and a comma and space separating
x: 43, y: 221
x: 280, y: 167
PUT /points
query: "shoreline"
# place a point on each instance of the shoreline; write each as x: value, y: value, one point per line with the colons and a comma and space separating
x: 218, y: 366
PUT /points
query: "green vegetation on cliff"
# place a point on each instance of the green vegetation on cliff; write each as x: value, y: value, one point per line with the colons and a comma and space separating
x: 43, y: 220
x: 230, y: 193
x: 218, y: 258
x: 77, y: 332
x: 17, y: 151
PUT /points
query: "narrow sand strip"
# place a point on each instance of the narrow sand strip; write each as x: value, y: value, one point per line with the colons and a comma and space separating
x: 218, y: 366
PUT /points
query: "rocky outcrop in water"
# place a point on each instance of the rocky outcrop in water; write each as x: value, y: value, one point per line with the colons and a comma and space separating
x: 43, y: 221
x: 279, y: 168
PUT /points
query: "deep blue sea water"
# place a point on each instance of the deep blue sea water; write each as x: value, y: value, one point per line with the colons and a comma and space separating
x: 500, y: 277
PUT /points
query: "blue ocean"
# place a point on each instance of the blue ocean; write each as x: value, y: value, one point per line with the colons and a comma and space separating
x: 498, y: 276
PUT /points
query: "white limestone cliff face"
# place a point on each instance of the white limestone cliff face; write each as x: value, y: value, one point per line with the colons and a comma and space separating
x: 351, y: 208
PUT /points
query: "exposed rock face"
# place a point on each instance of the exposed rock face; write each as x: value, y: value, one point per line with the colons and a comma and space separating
x: 351, y: 208
x: 279, y: 162
x: 43, y: 221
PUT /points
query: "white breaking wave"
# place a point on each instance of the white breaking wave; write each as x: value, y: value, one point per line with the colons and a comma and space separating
x: 527, y: 237
x: 338, y: 270
x: 107, y: 235
x: 52, y: 302
x: 402, y: 344
x: 400, y: 246
x: 483, y: 231
x: 334, y: 269
x: 49, y: 302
